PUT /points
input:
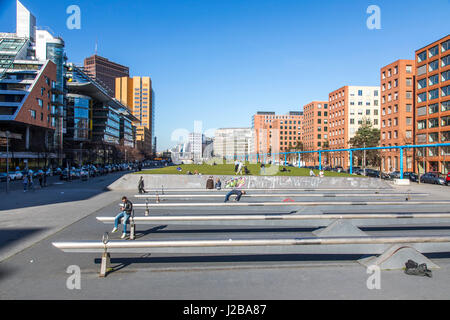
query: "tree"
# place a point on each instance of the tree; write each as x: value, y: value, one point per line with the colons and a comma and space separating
x: 367, y: 137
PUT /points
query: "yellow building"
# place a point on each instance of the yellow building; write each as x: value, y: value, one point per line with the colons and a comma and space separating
x: 137, y: 94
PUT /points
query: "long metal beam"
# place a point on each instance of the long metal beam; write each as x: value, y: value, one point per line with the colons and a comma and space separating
x: 296, y: 220
x: 267, y: 189
x: 271, y: 195
x: 283, y: 204
x: 337, y: 245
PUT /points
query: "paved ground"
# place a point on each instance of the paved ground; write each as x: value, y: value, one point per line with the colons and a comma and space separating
x: 31, y: 268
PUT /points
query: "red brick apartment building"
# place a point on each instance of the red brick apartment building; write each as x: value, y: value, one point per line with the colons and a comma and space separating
x: 397, y: 114
x: 315, y: 130
x: 432, y: 108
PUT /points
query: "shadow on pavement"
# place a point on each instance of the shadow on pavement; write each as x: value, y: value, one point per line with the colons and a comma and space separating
x: 8, y: 236
x: 57, y: 192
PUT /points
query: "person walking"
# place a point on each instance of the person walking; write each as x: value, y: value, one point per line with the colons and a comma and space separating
x: 141, y: 186
x: 40, y: 179
x: 25, y: 183
x: 236, y: 192
x: 127, y: 208
x: 30, y: 180
x: 263, y: 168
x: 236, y: 166
x: 240, y: 166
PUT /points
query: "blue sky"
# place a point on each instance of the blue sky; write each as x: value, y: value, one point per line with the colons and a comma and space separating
x: 220, y: 61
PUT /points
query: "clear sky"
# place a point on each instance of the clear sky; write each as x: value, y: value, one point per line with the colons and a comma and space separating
x: 220, y: 61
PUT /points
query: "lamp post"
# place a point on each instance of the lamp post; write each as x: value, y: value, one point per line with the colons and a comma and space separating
x: 7, y: 161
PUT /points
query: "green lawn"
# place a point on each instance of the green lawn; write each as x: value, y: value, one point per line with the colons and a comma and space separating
x: 228, y: 169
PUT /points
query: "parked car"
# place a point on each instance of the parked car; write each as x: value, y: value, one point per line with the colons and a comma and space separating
x: 18, y: 175
x: 3, y: 177
x: 411, y: 176
x: 433, y: 178
x: 447, y: 179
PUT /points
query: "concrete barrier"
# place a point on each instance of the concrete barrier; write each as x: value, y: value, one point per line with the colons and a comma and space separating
x: 156, y: 181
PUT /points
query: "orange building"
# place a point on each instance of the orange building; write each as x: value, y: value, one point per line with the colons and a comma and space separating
x: 276, y: 133
x: 350, y: 107
x: 397, y: 114
x: 433, y: 104
x: 315, y: 129
x: 137, y: 94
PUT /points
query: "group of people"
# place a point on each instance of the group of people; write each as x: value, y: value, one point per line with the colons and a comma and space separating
x: 28, y: 183
x: 240, y: 168
x: 210, y: 184
x: 312, y: 174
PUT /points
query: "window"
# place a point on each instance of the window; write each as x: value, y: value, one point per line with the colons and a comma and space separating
x: 408, y: 69
x: 42, y: 91
x: 375, y: 102
x: 422, y: 70
x: 445, y: 121
x: 433, y: 80
x: 409, y: 82
x: 445, y: 76
x: 352, y: 121
x: 422, y: 56
x: 408, y: 108
x: 433, y: 94
x: 445, y: 91
x: 375, y: 121
x: 408, y: 121
x: 375, y: 112
x: 360, y: 93
x: 433, y: 137
x: 433, y: 51
x: 421, y: 124
x: 433, y: 123
x: 421, y: 97
x: 445, y: 46
x: 433, y: 108
x: 421, y: 111
x: 432, y: 66
x: 408, y: 94
x: 422, y: 83
x: 445, y: 106
x: 445, y: 61
x: 368, y: 112
x: 408, y: 134
x: 33, y: 114
x: 40, y: 103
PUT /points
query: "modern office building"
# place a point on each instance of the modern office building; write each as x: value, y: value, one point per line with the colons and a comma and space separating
x: 276, y: 133
x: 233, y: 142
x: 25, y: 23
x: 137, y: 94
x: 105, y: 71
x: 98, y: 125
x: 350, y: 107
x: 397, y: 114
x: 432, y: 109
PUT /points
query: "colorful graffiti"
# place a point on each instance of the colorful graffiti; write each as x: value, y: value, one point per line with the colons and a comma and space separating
x: 235, y: 182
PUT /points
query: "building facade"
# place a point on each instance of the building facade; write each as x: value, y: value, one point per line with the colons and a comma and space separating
x: 397, y: 114
x: 315, y: 130
x: 105, y: 71
x: 137, y: 94
x: 432, y: 110
x: 349, y: 108
x: 276, y: 133
x: 233, y: 142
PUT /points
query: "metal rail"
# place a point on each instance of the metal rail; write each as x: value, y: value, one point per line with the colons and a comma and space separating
x: 270, y: 195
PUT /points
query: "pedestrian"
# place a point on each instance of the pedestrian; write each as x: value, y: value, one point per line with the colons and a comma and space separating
x: 236, y: 166
x: 141, y: 186
x: 240, y: 166
x: 40, y: 179
x: 210, y: 183
x: 236, y: 192
x: 45, y: 178
x: 263, y: 168
x: 218, y: 184
x: 127, y: 208
x: 25, y: 183
x: 30, y: 180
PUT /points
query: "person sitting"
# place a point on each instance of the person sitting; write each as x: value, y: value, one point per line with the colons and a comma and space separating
x: 210, y: 183
x: 218, y: 185
x: 311, y: 173
x: 238, y: 194
x: 127, y: 208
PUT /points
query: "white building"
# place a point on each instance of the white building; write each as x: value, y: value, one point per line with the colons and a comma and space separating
x: 230, y: 142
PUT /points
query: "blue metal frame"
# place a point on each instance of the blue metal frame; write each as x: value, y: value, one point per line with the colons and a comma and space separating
x: 401, y: 148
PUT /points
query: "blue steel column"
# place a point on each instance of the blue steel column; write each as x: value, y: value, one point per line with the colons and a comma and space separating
x: 351, y: 161
x: 401, y: 163
x: 285, y: 158
x: 320, y: 160
x: 299, y: 159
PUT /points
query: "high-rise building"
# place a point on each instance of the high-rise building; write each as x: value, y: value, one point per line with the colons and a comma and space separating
x: 233, y: 142
x: 315, y: 129
x: 276, y: 133
x: 350, y: 107
x: 25, y: 22
x: 432, y: 108
x: 397, y: 114
x: 105, y: 72
x: 137, y: 94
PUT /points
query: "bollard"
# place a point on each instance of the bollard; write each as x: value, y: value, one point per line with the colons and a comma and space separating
x: 132, y: 227
x: 147, y: 211
x: 106, y: 258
